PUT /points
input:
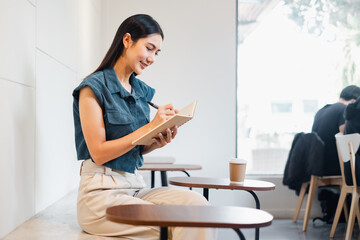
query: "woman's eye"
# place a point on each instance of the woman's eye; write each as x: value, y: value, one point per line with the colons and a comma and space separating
x: 151, y: 49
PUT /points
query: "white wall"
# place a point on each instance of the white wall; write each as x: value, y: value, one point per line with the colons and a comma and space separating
x: 197, y: 61
x: 56, y: 74
x: 41, y: 61
x: 17, y: 105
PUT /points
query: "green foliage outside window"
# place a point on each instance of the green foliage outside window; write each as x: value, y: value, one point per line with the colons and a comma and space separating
x: 318, y: 16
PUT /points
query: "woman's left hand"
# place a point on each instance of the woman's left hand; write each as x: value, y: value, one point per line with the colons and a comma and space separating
x: 161, y: 140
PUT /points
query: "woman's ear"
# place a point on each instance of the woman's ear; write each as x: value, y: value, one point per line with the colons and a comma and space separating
x: 127, y: 41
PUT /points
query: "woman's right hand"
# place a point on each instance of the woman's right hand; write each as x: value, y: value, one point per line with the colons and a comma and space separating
x: 164, y: 113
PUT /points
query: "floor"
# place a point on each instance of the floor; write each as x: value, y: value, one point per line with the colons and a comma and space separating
x: 285, y: 229
x: 58, y: 222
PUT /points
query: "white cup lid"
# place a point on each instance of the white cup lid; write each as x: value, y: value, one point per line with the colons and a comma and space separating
x: 238, y: 161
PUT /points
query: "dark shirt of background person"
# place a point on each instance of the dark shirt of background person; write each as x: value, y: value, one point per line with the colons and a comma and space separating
x: 352, y: 117
x: 330, y: 120
x: 352, y: 125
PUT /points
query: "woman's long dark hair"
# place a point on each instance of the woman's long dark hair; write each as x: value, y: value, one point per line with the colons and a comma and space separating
x: 138, y: 26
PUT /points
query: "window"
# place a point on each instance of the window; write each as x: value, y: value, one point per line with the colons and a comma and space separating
x: 292, y: 59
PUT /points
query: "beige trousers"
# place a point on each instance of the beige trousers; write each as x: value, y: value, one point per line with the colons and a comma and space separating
x: 101, y: 187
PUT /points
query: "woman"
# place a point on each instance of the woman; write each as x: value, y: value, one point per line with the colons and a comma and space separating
x: 110, y: 111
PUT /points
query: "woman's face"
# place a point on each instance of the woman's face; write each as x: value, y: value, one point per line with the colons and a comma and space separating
x: 142, y: 53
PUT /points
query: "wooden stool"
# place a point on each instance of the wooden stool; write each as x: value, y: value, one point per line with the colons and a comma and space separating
x: 164, y: 167
x: 166, y: 216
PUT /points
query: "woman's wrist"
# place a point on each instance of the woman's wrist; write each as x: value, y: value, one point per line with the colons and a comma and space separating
x: 149, y: 148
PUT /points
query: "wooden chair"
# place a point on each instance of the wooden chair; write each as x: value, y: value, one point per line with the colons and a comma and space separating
x: 307, y: 149
x: 347, y: 145
x: 315, y: 182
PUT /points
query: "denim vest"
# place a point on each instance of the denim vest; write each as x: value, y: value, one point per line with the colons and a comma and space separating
x: 123, y: 113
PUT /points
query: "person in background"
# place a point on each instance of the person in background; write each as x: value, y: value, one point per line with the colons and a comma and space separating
x: 328, y: 121
x: 352, y: 117
x: 352, y: 125
x: 111, y: 111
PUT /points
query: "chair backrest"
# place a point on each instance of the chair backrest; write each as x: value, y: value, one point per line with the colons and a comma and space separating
x: 352, y: 162
x: 347, y: 146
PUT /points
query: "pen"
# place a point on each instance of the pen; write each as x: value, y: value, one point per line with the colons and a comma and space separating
x: 153, y: 105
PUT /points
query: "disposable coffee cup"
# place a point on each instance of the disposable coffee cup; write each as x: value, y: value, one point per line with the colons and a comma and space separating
x: 237, y: 170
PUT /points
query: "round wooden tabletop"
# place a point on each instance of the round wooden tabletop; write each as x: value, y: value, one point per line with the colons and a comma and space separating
x: 169, y: 167
x: 189, y: 216
x: 221, y: 183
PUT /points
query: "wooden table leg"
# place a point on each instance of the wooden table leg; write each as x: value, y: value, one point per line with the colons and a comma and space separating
x: 164, y: 181
x: 257, y: 202
x: 188, y: 176
x: 152, y: 179
x: 163, y: 233
x: 186, y: 173
x: 206, y: 193
x: 239, y: 233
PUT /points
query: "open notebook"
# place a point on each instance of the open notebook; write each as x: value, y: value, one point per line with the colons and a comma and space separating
x: 184, y: 115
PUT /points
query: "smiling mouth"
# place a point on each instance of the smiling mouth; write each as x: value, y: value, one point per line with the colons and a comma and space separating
x: 143, y: 65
